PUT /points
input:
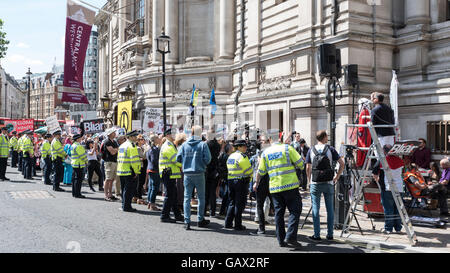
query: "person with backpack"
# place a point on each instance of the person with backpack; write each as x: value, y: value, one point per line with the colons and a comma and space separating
x: 321, y: 177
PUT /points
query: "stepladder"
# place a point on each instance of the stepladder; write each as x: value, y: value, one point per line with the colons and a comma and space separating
x: 376, y: 151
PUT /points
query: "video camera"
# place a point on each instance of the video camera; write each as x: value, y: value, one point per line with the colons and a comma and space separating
x: 251, y: 136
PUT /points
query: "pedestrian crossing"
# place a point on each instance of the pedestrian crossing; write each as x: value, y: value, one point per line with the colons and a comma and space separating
x: 30, y: 195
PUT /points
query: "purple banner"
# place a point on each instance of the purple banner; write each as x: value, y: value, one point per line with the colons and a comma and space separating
x: 78, y: 31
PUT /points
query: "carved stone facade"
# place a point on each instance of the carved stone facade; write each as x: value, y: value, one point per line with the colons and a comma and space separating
x: 276, y: 57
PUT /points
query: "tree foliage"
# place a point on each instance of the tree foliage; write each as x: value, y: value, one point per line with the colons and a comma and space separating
x: 3, y: 41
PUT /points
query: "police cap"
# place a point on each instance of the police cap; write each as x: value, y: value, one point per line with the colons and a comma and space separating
x: 77, y: 136
x: 240, y: 142
x: 133, y: 133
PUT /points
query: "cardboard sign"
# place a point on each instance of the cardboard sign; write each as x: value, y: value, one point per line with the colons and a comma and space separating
x: 92, y: 126
x: 152, y: 118
x: 52, y: 124
x: 74, y: 130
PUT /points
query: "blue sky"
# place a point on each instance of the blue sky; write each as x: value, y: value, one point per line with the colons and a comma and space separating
x: 36, y: 31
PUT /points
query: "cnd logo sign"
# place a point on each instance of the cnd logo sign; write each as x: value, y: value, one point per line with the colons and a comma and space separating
x: 124, y: 120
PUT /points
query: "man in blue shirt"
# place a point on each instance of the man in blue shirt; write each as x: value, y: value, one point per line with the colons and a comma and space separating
x: 194, y: 155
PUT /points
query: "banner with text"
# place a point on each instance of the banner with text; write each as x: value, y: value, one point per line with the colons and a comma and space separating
x: 152, y: 117
x: 92, y: 126
x: 78, y: 31
x: 19, y: 125
x: 52, y: 124
x: 124, y: 115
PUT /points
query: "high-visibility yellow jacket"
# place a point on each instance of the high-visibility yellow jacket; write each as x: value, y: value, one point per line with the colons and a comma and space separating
x: 239, y: 166
x: 13, y: 143
x: 57, y: 150
x: 280, y: 161
x: 128, y: 160
x: 20, y: 143
x: 46, y: 149
x: 78, y: 155
x: 4, y: 146
x: 27, y: 146
x: 168, y: 159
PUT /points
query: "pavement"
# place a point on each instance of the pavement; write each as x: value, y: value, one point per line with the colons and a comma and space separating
x: 34, y: 218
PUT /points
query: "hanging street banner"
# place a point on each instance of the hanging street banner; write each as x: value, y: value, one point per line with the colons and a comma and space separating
x: 92, y: 126
x: 52, y: 124
x: 78, y: 31
x: 152, y: 117
x: 124, y: 115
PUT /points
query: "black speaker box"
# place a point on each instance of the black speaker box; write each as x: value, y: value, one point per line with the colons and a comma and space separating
x: 327, y: 60
x: 351, y: 74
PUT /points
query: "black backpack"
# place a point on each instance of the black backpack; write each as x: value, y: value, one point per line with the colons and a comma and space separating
x: 322, y: 170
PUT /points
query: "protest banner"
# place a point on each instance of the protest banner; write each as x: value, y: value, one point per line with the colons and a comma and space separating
x: 92, y: 126
x: 152, y: 118
x: 20, y: 125
x: 52, y: 124
x: 124, y: 115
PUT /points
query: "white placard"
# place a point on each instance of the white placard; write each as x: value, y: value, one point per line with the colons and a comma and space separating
x: 136, y: 125
x: 152, y: 119
x: 52, y: 124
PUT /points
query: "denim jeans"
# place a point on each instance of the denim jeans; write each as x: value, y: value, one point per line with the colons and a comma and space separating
x: 191, y: 181
x: 154, y: 181
x: 391, y: 216
x: 316, y: 193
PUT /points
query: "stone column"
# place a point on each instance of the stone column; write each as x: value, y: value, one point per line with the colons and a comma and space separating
x: 158, y: 24
x: 227, y: 33
x: 306, y: 19
x: 417, y: 12
x: 171, y: 29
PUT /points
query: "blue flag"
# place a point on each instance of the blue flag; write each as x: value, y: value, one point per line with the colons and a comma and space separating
x: 212, y: 101
x: 191, y: 104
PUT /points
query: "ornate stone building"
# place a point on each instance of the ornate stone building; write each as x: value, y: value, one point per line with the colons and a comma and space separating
x: 261, y: 58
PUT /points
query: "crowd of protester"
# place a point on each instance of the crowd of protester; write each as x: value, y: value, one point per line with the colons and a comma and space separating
x: 201, y: 169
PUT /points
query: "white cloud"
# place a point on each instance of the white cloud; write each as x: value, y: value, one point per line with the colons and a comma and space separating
x: 63, y: 41
x: 16, y: 58
x: 22, y: 45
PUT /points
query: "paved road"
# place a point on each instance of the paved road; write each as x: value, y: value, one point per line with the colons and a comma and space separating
x: 46, y: 221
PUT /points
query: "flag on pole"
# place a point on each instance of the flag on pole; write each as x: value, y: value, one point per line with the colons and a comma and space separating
x: 212, y: 102
x: 393, y: 97
x: 78, y: 31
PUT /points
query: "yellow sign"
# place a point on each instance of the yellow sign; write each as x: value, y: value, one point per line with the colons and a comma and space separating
x: 124, y: 115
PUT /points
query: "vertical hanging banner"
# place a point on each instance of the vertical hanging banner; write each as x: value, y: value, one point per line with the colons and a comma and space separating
x: 78, y: 30
x: 124, y: 115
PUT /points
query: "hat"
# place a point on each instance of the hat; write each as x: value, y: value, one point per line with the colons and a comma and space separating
x: 168, y: 131
x: 77, y: 136
x: 133, y: 133
x: 240, y: 142
x: 48, y: 135
x: 14, y: 133
x: 57, y: 132
x: 29, y: 132
x: 110, y: 131
x: 4, y: 128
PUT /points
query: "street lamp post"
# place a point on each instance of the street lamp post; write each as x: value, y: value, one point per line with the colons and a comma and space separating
x: 163, y: 47
x: 29, y: 90
x: 106, y: 102
x: 6, y: 98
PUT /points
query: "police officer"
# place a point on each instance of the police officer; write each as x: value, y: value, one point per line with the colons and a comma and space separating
x: 239, y: 174
x: 58, y: 155
x: 19, y: 149
x: 128, y: 169
x: 169, y: 171
x: 280, y: 161
x: 79, y: 161
x: 28, y: 155
x: 13, y: 143
x: 47, y: 156
x: 4, y: 151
